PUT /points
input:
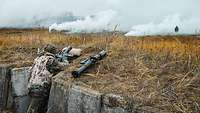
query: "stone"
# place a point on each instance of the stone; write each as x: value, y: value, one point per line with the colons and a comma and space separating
x: 21, y: 104
x: 83, y: 100
x: 4, y: 85
x: 19, y: 79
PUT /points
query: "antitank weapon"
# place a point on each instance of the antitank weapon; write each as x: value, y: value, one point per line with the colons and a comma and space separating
x: 86, y: 63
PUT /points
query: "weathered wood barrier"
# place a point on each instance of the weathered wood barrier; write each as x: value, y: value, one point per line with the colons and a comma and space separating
x: 70, y: 97
x: 19, y: 81
x: 13, y: 88
x: 4, y: 85
x: 66, y: 96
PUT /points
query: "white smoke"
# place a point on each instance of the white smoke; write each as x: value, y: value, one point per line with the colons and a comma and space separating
x: 99, y: 22
x: 39, y: 21
x: 43, y: 13
x: 187, y: 26
x: 33, y: 13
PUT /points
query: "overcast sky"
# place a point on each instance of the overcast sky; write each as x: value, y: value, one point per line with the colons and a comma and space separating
x: 130, y: 12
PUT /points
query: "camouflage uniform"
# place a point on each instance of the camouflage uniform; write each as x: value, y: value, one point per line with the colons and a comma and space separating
x: 43, y: 69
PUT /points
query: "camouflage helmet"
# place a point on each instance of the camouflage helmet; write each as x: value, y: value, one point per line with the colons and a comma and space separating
x: 50, y: 48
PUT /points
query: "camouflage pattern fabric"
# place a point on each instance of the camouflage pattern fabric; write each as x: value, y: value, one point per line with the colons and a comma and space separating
x: 42, y: 71
x: 39, y: 91
x: 44, y: 68
x: 38, y: 105
x: 39, y: 73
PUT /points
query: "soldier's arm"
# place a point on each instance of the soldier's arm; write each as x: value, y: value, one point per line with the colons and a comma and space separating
x: 54, y: 66
x: 31, y: 69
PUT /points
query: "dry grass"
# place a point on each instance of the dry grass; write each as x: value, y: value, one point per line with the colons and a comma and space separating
x: 162, y: 71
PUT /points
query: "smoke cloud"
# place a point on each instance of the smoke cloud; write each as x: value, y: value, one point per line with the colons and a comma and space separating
x: 43, y: 13
x: 90, y: 24
x: 167, y: 27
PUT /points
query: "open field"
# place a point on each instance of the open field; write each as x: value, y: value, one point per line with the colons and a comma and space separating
x: 162, y: 71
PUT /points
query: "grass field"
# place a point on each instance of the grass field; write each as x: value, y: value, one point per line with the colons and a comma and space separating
x: 162, y: 71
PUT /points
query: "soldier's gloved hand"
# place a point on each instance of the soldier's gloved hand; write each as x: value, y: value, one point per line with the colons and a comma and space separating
x: 64, y: 63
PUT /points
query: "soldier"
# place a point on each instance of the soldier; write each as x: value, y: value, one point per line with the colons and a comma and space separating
x: 44, y: 68
x: 176, y: 29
